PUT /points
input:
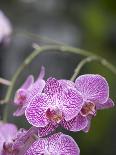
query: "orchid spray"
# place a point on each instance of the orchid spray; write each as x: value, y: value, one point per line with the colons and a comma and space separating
x: 51, y: 104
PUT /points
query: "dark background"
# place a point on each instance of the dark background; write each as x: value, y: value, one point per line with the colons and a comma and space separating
x: 86, y: 24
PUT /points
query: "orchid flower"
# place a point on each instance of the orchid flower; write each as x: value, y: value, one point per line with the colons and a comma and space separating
x: 27, y: 91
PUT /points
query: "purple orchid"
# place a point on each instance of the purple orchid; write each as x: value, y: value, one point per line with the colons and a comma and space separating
x: 13, y: 141
x: 57, y: 144
x: 95, y: 92
x: 59, y: 101
x: 7, y: 135
x: 27, y: 91
x: 5, y: 29
x: 23, y: 140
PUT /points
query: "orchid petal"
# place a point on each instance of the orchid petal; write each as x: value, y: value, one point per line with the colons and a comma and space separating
x: 28, y: 82
x: 35, y: 111
x: 108, y: 104
x: 87, y: 128
x: 57, y: 144
x: 76, y: 124
x: 42, y: 73
x: 10, y: 129
x: 47, y: 129
x: 67, y: 84
x: 20, y: 111
x: 67, y: 146
x: 38, y: 147
x: 52, y: 87
x: 71, y: 104
x: 93, y: 88
x: 36, y: 88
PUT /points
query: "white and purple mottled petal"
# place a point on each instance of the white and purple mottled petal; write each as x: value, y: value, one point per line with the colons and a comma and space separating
x: 67, y: 84
x: 52, y: 87
x: 42, y: 132
x: 36, y: 111
x: 93, y: 88
x: 67, y: 146
x: 37, y: 148
x: 71, y: 103
x: 27, y: 91
x: 87, y: 128
x: 76, y: 124
x: 108, y: 104
x: 57, y: 144
x: 36, y: 88
x: 23, y: 140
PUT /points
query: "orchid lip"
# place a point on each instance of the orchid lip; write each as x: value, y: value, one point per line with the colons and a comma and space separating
x: 7, y: 147
x: 20, y: 97
x: 54, y: 115
x: 88, y: 109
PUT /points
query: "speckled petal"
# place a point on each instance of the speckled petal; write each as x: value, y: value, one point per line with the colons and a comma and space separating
x: 108, y: 104
x: 37, y: 148
x: 57, y: 144
x: 36, y: 88
x: 47, y: 129
x: 93, y: 88
x: 67, y: 146
x: 67, y: 84
x: 24, y: 139
x: 52, y: 86
x: 76, y: 124
x: 35, y: 111
x: 71, y: 104
x: 87, y: 128
x: 28, y: 82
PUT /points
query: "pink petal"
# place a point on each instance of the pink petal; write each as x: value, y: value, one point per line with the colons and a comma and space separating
x: 87, y: 128
x: 67, y: 84
x: 8, y: 131
x: 47, y: 129
x: 36, y: 88
x: 24, y: 140
x: 52, y: 87
x: 42, y: 73
x: 29, y: 81
x: 20, y: 111
x: 108, y: 104
x: 71, y: 104
x: 76, y: 124
x: 56, y: 144
x: 37, y: 148
x: 93, y: 88
x: 67, y: 146
x: 35, y: 111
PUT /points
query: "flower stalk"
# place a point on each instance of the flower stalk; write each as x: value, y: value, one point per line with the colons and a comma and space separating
x: 61, y: 48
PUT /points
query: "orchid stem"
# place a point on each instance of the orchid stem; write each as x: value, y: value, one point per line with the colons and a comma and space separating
x: 61, y: 48
x: 4, y: 82
x: 88, y: 60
